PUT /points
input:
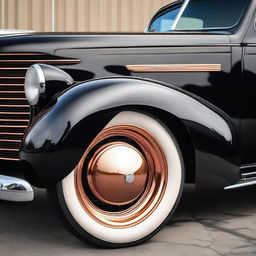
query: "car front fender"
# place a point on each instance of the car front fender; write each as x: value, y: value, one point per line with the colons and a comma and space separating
x: 57, y: 138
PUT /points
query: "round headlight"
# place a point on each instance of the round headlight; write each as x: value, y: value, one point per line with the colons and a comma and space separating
x: 34, y: 84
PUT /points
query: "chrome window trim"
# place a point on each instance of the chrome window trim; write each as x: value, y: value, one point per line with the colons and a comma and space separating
x: 211, y: 28
x: 160, y: 12
x: 182, y: 9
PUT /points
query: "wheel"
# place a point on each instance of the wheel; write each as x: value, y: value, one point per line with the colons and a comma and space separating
x: 126, y: 185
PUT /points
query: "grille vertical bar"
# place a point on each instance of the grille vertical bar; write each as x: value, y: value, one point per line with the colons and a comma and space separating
x: 15, y: 112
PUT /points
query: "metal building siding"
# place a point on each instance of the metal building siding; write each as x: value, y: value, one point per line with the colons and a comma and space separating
x: 78, y: 15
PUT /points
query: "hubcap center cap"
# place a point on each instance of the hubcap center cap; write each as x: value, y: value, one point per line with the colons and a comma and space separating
x: 117, y: 173
x: 129, y: 178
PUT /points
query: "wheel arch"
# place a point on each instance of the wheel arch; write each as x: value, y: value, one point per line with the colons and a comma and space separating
x: 55, y: 135
x: 181, y: 133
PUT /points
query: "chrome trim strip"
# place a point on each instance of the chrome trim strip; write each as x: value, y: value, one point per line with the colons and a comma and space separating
x: 242, y: 183
x: 14, y: 113
x: 14, y: 120
x: 3, y: 92
x: 248, y: 166
x: 13, y: 99
x: 14, y: 68
x: 11, y: 84
x: 12, y: 133
x: 13, y: 126
x: 5, y: 140
x: 12, y: 77
x: 9, y: 159
x: 174, y: 68
x: 14, y: 106
x: 10, y: 149
x: 248, y: 174
x: 43, y: 61
x: 183, y: 7
x: 22, y: 53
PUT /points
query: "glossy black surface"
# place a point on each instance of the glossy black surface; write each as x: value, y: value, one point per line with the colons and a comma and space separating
x: 221, y: 126
x: 56, y: 80
x: 64, y: 131
x: 203, y: 11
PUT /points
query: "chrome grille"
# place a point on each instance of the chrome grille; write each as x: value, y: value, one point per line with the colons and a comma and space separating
x: 15, y: 111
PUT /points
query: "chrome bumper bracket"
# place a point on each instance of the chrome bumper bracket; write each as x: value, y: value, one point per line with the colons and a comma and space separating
x: 15, y: 189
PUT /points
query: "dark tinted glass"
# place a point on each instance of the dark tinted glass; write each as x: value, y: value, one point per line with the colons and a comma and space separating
x: 210, y: 14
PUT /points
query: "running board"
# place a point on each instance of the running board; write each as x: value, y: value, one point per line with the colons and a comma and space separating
x: 247, y: 179
x: 15, y: 189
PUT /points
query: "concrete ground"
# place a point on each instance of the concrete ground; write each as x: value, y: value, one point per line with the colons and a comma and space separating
x: 206, y: 223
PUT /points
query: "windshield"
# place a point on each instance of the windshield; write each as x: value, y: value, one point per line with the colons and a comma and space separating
x: 200, y: 15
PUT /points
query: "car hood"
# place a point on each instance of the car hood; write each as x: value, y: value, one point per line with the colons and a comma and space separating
x: 50, y: 42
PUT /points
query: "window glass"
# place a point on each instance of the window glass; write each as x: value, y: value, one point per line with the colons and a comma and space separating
x: 200, y: 15
x: 164, y: 22
x: 210, y: 14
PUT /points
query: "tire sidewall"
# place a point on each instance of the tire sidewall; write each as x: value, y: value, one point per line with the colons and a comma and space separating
x: 102, y: 236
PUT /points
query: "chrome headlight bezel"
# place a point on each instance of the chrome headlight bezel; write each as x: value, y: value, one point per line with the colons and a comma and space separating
x: 34, y: 84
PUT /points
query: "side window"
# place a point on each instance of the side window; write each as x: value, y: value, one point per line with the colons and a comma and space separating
x: 200, y: 15
x: 164, y: 22
x: 211, y: 14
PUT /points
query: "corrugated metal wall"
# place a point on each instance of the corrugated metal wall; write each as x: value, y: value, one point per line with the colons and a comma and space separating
x: 78, y: 15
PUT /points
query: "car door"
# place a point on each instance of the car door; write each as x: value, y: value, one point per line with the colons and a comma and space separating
x: 193, y: 52
x: 248, y: 115
x: 200, y: 64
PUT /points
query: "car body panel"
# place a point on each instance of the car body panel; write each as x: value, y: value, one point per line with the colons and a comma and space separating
x: 57, y: 139
x: 103, y: 55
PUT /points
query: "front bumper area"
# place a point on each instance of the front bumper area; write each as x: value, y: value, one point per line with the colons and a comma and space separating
x: 15, y: 189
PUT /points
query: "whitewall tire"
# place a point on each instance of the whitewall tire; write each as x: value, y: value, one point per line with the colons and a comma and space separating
x: 127, y: 184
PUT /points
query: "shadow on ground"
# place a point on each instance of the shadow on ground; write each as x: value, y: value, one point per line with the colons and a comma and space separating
x: 206, y: 223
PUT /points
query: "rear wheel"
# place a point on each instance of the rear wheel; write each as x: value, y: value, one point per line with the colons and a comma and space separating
x: 126, y: 185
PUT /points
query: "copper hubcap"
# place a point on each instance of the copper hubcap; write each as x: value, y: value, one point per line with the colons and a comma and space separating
x: 121, y: 177
x: 117, y: 174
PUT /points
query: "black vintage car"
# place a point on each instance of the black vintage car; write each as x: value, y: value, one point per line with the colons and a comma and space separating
x: 114, y: 124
